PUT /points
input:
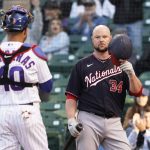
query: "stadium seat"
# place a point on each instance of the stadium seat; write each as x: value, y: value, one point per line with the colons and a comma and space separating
x: 54, y: 142
x: 84, y: 50
x: 146, y: 39
x: 60, y: 97
x: 145, y: 79
x: 128, y: 102
x: 146, y: 13
x: 62, y: 63
x: 59, y: 80
x: 42, y: 2
x: 51, y: 106
x: 146, y: 4
x: 2, y: 35
x: 55, y: 128
x: 58, y: 90
x: 71, y: 22
x: 146, y: 32
x: 76, y: 41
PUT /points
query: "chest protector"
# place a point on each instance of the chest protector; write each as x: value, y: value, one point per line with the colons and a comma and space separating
x: 7, y: 59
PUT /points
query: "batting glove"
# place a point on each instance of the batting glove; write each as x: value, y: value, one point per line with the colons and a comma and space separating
x: 72, y: 123
x: 128, y: 68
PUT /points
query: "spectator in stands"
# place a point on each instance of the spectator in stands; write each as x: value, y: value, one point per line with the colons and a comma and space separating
x: 129, y: 15
x: 88, y: 20
x: 141, y: 104
x: 139, y: 138
x: 37, y: 26
x: 35, y: 31
x: 56, y: 41
x: 77, y: 9
x: 103, y: 8
x: 51, y: 9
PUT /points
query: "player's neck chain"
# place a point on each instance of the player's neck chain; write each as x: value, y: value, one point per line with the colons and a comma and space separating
x: 102, y: 60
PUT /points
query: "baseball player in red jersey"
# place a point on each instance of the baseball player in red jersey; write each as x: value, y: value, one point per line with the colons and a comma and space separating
x: 97, y: 88
x: 23, y: 73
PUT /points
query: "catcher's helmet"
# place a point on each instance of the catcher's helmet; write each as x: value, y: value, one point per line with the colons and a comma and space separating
x: 120, y: 48
x: 16, y: 18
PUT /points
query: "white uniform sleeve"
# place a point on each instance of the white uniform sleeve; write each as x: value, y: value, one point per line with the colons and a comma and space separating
x: 44, y: 73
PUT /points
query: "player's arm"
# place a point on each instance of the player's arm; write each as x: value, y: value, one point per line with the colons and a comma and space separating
x: 135, y: 85
x: 37, y: 25
x: 45, y: 89
x: 71, y: 105
x: 72, y: 93
x: 44, y: 74
x: 71, y: 108
x: 45, y: 81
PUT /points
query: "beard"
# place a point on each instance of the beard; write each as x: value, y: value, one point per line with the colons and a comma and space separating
x: 101, y: 50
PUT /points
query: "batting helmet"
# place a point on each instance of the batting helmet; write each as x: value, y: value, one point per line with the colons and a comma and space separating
x: 120, y: 48
x: 16, y: 18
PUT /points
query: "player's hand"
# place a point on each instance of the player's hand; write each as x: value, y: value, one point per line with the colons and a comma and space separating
x: 136, y: 117
x: 141, y: 125
x: 127, y: 67
x: 72, y: 123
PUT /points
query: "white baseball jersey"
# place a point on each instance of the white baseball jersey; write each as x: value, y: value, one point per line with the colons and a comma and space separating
x: 26, y: 67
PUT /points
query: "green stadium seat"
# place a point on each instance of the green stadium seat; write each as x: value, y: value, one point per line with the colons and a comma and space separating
x: 145, y: 79
x: 146, y: 4
x: 62, y: 113
x: 59, y: 80
x: 146, y: 39
x: 60, y: 97
x: 62, y: 63
x: 58, y: 90
x: 51, y: 106
x: 84, y: 50
x: 147, y: 21
x: 42, y: 2
x: 146, y: 13
x: 2, y: 35
x: 76, y: 41
x: 55, y: 128
x: 54, y: 142
x: 146, y: 31
x: 128, y: 103
x: 71, y: 22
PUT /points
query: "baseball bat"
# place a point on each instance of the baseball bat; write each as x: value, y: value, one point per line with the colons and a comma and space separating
x: 79, y: 127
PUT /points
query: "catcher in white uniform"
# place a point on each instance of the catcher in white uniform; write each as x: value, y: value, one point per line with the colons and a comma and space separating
x: 24, y: 79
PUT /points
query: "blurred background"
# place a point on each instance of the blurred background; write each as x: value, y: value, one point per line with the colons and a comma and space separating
x: 62, y: 28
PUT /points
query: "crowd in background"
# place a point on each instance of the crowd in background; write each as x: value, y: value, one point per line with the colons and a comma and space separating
x: 52, y: 22
x: 55, y: 21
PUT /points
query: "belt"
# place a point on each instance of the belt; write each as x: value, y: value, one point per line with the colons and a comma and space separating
x: 108, y: 115
x: 27, y: 104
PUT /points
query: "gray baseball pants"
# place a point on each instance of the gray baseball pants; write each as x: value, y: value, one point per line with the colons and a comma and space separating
x: 99, y: 130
